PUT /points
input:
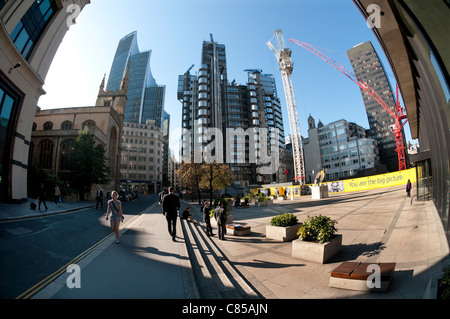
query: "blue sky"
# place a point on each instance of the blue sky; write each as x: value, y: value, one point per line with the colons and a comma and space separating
x: 175, y: 29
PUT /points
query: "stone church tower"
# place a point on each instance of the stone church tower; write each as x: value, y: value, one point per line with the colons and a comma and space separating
x: 117, y: 100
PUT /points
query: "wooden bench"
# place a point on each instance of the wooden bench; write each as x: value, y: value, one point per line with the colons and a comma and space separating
x: 238, y: 229
x: 354, y: 275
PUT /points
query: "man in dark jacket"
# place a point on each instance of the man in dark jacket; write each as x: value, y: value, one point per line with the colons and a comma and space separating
x: 171, y: 206
x: 221, y: 218
x: 161, y: 197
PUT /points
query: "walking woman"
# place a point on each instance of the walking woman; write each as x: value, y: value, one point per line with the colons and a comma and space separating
x: 115, y: 209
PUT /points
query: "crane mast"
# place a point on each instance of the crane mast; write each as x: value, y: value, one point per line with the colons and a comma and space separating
x: 283, y: 56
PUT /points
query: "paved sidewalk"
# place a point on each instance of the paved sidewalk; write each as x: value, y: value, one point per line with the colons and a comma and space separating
x: 380, y: 225
x: 146, y: 264
x: 13, y: 212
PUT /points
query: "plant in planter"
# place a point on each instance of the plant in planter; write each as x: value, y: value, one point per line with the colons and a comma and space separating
x: 284, y: 220
x: 261, y: 200
x: 319, y: 229
x: 318, y: 240
x: 283, y: 227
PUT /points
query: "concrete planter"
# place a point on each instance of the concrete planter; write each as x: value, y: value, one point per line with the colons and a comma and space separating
x: 281, y: 233
x: 315, y: 252
x: 261, y: 204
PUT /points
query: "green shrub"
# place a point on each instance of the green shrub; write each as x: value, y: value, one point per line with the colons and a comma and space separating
x: 261, y: 197
x: 317, y: 229
x: 284, y: 220
x: 444, y: 285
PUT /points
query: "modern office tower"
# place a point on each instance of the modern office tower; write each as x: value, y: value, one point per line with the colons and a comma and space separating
x: 369, y: 69
x: 204, y: 99
x: 212, y: 96
x: 265, y: 112
x: 212, y: 104
x: 30, y: 34
x: 166, y: 150
x: 145, y: 98
x: 341, y: 148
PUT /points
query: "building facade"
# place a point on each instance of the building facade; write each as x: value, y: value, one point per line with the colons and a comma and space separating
x: 54, y: 134
x: 212, y: 104
x: 141, y: 157
x: 414, y: 37
x: 340, y: 148
x: 30, y: 34
x: 369, y: 69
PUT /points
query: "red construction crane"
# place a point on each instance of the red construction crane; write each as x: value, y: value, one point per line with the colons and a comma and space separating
x: 399, y: 114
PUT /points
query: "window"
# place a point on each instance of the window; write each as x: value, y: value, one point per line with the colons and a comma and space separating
x: 46, y: 154
x: 88, y: 124
x: 10, y: 105
x: 48, y: 126
x: 67, y: 125
x: 66, y: 150
x: 32, y: 25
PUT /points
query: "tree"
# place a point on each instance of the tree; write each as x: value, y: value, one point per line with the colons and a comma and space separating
x: 217, y: 176
x: 191, y: 175
x: 88, y: 164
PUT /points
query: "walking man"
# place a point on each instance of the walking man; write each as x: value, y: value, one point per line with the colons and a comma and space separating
x: 171, y: 206
x: 161, y: 197
x: 221, y: 218
x: 207, y: 219
x: 42, y: 196
x: 99, y: 197
x: 57, y: 194
x: 408, y: 188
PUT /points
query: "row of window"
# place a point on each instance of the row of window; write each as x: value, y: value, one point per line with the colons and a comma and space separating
x: 141, y: 159
x: 135, y: 167
x: 139, y: 141
x: 141, y: 177
x: 66, y: 125
x: 46, y: 154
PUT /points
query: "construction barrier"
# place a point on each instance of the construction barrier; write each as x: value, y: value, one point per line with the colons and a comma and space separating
x: 349, y: 185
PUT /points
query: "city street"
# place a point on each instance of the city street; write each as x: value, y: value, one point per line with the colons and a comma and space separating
x: 35, y: 248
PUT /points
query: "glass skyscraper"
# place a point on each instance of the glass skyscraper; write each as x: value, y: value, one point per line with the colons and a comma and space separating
x: 145, y: 98
x: 210, y: 101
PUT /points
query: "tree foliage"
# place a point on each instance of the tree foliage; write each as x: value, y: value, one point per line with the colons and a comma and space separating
x: 211, y: 176
x: 217, y: 176
x: 88, y: 164
x: 192, y: 174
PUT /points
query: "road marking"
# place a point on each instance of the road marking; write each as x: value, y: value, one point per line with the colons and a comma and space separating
x: 43, y: 283
x: 28, y: 293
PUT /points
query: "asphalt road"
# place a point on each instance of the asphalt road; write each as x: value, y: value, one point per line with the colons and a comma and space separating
x: 31, y: 250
